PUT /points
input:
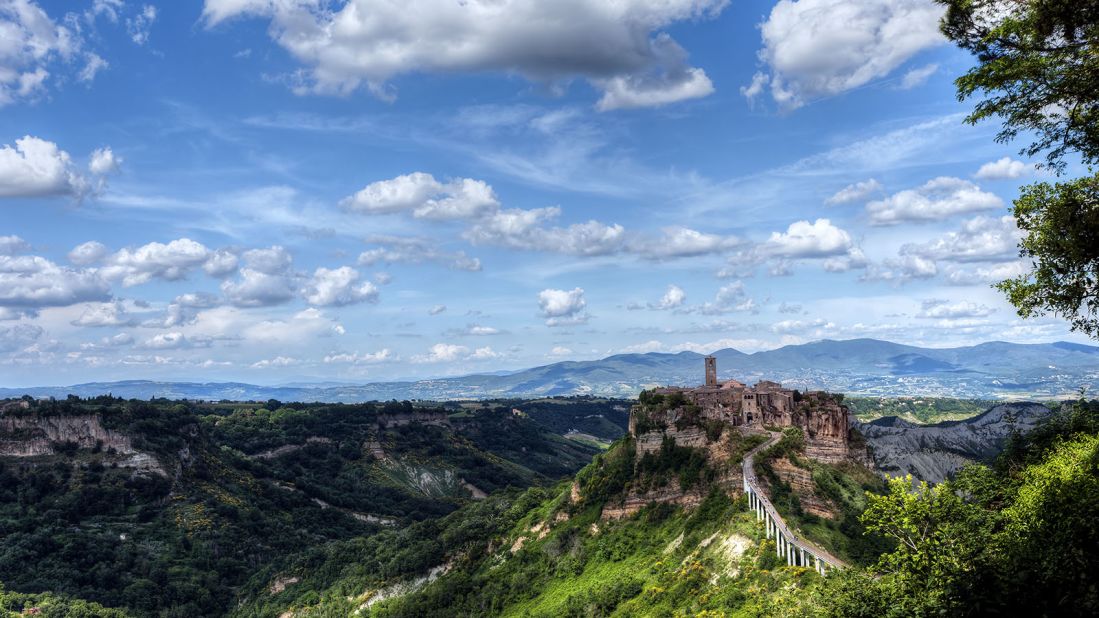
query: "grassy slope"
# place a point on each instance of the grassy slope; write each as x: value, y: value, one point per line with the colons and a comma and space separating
x: 536, y: 554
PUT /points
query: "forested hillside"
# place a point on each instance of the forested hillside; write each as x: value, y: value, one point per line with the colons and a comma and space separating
x: 1015, y: 536
x: 165, y: 508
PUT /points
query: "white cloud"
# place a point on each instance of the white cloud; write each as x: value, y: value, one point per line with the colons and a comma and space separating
x: 675, y: 242
x: 11, y: 245
x: 436, y: 310
x: 938, y: 198
x: 256, y: 288
x: 485, y: 353
x: 88, y: 253
x: 138, y: 26
x: 278, y: 361
x: 414, y: 250
x: 901, y: 270
x: 104, y: 314
x: 33, y: 281
x: 1003, y: 169
x: 424, y: 197
x: 337, y: 287
x: 818, y: 48
x: 981, y: 239
x: 820, y: 239
x: 560, y: 351
x: 563, y: 307
x: 442, y: 353
x: 674, y: 297
x: 525, y: 229
x: 30, y: 43
x: 855, y: 192
x: 35, y: 167
x: 104, y: 161
x: 918, y: 76
x: 265, y: 280
x: 19, y: 336
x: 171, y: 261
x: 618, y: 46
x: 984, y: 275
x: 729, y: 298
x: 943, y: 309
x: 355, y: 358
x: 797, y: 326
x: 167, y: 341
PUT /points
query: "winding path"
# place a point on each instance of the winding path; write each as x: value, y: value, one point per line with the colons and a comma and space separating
x: 798, y: 552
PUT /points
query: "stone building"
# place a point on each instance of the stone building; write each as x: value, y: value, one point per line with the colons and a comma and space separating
x: 821, y: 416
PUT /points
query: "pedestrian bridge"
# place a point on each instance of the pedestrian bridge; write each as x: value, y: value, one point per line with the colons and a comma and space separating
x: 797, y: 552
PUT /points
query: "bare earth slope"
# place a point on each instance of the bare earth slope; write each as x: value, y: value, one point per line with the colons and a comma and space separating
x: 934, y: 452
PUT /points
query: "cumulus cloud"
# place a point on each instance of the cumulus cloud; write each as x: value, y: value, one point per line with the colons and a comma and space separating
x: 535, y: 229
x: 414, y: 250
x: 28, y: 282
x: 820, y: 239
x: 169, y: 261
x: 729, y: 298
x: 104, y: 161
x: 337, y: 287
x: 88, y: 253
x: 981, y: 239
x: 19, y: 336
x: 442, y: 353
x: 35, y: 167
x: 11, y: 245
x: 527, y: 229
x: 619, y: 47
x: 559, y: 351
x: 938, y: 198
x: 1003, y: 169
x: 424, y: 197
x: 356, y: 358
x: 104, y: 314
x: 798, y: 326
x: 984, y: 275
x: 563, y: 307
x: 172, y: 341
x: 855, y: 192
x: 265, y: 280
x: 676, y: 242
x: 934, y: 308
x: 673, y: 297
x: 901, y: 270
x: 183, y: 309
x: 278, y: 361
x: 819, y: 48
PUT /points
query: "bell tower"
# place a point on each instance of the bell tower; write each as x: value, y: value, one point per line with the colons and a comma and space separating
x: 711, y: 371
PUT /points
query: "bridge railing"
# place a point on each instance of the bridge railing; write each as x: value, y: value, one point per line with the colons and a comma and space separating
x: 796, y: 551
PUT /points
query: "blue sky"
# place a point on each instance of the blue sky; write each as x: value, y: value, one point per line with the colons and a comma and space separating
x: 279, y: 190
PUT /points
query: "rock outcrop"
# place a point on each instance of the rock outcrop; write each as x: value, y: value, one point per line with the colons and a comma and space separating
x: 934, y: 453
x: 35, y: 435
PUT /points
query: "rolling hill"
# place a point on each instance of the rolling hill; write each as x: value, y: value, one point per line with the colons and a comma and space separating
x: 993, y: 370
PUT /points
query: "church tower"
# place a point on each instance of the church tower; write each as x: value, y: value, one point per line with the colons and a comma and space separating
x: 711, y: 371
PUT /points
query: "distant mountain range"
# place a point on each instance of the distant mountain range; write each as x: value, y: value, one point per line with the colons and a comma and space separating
x: 994, y: 370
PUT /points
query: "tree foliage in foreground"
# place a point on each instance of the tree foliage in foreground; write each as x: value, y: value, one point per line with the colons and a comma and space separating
x: 1017, y: 539
x: 1038, y: 70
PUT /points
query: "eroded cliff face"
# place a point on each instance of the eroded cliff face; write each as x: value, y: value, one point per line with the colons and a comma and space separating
x: 801, y: 484
x: 934, y: 453
x: 44, y: 435
x: 29, y: 436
